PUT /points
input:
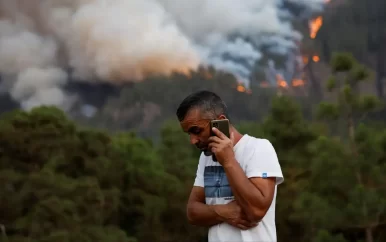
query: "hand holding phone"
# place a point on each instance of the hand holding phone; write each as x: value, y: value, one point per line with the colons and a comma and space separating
x: 223, y: 126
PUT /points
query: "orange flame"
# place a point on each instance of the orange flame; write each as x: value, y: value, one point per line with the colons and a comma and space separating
x: 241, y: 88
x: 297, y: 82
x: 315, y: 25
x: 280, y: 81
x: 183, y: 71
x: 305, y: 59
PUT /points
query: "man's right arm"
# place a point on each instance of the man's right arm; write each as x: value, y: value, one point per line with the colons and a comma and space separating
x: 201, y: 214
x: 198, y: 212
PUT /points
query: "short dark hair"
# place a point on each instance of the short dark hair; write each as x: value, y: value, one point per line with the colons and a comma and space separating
x: 207, y: 101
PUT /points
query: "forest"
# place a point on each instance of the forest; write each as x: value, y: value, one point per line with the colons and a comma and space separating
x: 65, y: 182
x: 125, y: 174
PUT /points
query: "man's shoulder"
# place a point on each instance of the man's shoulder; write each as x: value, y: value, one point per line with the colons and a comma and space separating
x: 260, y: 144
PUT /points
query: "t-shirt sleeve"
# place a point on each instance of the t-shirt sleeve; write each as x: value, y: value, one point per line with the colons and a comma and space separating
x: 199, y: 181
x: 264, y: 162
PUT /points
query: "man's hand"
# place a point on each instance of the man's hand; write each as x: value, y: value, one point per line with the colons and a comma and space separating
x: 233, y: 215
x: 221, y: 146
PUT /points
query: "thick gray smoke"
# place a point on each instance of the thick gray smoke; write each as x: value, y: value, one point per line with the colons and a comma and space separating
x: 312, y: 5
x: 125, y: 40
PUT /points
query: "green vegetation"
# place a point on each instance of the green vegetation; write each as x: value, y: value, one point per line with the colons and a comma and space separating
x: 61, y: 182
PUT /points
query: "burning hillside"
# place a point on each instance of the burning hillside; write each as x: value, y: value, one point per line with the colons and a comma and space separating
x: 315, y: 25
x: 44, y: 44
x: 294, y: 72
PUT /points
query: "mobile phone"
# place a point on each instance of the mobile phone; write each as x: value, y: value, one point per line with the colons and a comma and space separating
x: 223, y: 126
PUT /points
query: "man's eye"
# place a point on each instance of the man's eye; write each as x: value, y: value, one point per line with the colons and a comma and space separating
x: 195, y: 131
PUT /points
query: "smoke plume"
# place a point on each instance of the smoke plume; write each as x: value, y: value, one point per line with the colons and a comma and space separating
x: 312, y: 5
x: 126, y: 40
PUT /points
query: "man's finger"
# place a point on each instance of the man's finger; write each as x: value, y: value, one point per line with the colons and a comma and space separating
x: 253, y: 224
x: 242, y: 227
x: 246, y: 223
x: 214, y: 139
x: 219, y: 134
x: 212, y: 147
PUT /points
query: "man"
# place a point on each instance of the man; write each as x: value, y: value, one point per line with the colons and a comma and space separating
x: 234, y: 196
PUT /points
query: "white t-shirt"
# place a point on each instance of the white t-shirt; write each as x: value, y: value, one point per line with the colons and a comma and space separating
x: 257, y: 157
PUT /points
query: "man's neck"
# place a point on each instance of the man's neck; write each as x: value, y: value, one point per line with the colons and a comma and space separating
x: 236, y: 135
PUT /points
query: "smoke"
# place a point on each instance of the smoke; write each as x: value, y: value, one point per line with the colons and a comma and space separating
x: 126, y: 40
x: 312, y: 5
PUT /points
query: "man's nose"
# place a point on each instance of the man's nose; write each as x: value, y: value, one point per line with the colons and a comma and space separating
x: 193, y: 139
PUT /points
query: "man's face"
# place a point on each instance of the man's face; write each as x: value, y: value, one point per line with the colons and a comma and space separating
x: 198, y: 128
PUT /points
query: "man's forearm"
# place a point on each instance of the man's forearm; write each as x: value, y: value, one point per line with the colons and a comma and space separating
x: 248, y: 196
x: 203, y: 215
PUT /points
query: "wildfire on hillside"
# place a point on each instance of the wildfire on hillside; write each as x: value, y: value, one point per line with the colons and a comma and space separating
x: 315, y: 58
x: 298, y: 82
x: 241, y: 88
x: 280, y: 81
x: 316, y: 23
x: 305, y: 60
x: 314, y: 26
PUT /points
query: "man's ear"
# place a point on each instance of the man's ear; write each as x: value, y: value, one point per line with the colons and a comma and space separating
x: 222, y: 116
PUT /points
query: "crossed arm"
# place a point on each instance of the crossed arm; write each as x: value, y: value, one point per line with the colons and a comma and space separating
x: 199, y: 213
x: 253, y: 197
